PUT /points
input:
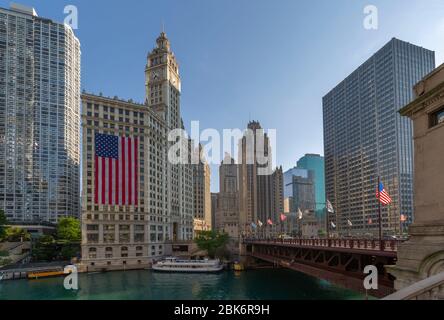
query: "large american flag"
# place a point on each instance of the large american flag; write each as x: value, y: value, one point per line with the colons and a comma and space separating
x: 383, y: 195
x: 116, y: 170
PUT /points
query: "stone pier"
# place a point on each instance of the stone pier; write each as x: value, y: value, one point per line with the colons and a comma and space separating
x: 423, y: 255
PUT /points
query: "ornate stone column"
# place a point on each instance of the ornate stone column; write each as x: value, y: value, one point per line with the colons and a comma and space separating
x: 423, y: 255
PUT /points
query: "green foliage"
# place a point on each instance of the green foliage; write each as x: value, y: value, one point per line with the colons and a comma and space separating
x: 14, y: 234
x: 44, y: 249
x: 49, y: 249
x: 68, y: 252
x: 213, y: 242
x: 3, y: 219
x: 4, y: 254
x: 2, y: 233
x: 5, y: 261
x: 322, y: 233
x: 46, y: 239
x: 69, y: 229
x: 3, y: 222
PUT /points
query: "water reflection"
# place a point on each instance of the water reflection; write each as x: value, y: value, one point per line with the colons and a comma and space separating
x: 148, y: 285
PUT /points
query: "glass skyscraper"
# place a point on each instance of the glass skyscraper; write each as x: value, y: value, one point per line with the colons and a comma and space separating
x: 315, y: 163
x: 39, y: 117
x: 365, y: 137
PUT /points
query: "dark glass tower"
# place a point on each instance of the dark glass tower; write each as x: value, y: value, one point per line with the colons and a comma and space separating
x: 365, y: 137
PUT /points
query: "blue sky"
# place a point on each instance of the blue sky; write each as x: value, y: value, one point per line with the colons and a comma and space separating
x: 265, y: 60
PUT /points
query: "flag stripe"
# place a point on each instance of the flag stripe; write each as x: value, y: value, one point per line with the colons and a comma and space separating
x: 130, y: 167
x: 96, y: 180
x: 123, y: 202
x: 136, y: 169
x: 110, y: 181
x: 102, y: 172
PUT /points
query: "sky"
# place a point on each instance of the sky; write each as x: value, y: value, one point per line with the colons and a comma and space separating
x: 241, y: 60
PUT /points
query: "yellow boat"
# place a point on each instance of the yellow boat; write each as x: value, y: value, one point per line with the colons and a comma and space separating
x: 45, y: 274
x: 238, y: 267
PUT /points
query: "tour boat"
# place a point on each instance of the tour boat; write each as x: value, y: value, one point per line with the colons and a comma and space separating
x: 175, y: 265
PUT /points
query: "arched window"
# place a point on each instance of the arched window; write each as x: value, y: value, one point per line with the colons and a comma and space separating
x: 92, y: 249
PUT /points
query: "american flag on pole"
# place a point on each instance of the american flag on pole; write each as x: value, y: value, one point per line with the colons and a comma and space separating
x: 330, y: 208
x: 116, y: 170
x: 383, y: 195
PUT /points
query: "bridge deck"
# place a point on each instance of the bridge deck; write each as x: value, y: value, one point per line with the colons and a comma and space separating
x: 385, y: 248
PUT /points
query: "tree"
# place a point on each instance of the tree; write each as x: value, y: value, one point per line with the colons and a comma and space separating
x: 212, y: 241
x: 69, y: 229
x: 44, y: 249
x: 3, y: 219
x: 3, y: 222
x: 14, y: 234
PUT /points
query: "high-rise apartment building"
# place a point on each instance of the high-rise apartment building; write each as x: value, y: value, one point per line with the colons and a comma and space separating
x: 227, y: 211
x: 39, y: 117
x: 365, y: 137
x: 135, y: 201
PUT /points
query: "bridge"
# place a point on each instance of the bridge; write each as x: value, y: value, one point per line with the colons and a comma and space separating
x: 339, y: 261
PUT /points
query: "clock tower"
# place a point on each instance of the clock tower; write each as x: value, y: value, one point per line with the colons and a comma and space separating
x: 163, y: 97
x: 163, y: 82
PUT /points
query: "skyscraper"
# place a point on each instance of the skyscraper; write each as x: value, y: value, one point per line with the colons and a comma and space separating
x: 365, y: 137
x: 202, y: 196
x: 163, y: 89
x: 316, y: 164
x: 135, y: 201
x: 39, y: 117
x: 227, y: 211
x: 260, y: 189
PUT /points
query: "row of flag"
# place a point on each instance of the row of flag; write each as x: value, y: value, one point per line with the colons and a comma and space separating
x: 283, y: 218
x: 381, y: 194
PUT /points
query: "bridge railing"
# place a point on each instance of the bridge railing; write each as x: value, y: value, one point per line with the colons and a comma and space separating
x: 359, y: 244
x: 431, y: 288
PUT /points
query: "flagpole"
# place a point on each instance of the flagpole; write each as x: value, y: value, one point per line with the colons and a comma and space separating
x: 379, y: 205
x: 326, y: 221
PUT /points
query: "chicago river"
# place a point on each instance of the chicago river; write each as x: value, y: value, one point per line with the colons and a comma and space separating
x: 148, y: 285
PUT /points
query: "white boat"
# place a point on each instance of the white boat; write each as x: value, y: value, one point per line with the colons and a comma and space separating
x: 191, y: 266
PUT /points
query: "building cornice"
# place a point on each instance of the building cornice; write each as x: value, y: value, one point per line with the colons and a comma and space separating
x: 423, y: 101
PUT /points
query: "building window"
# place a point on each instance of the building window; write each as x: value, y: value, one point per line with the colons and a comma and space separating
x: 437, y: 117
